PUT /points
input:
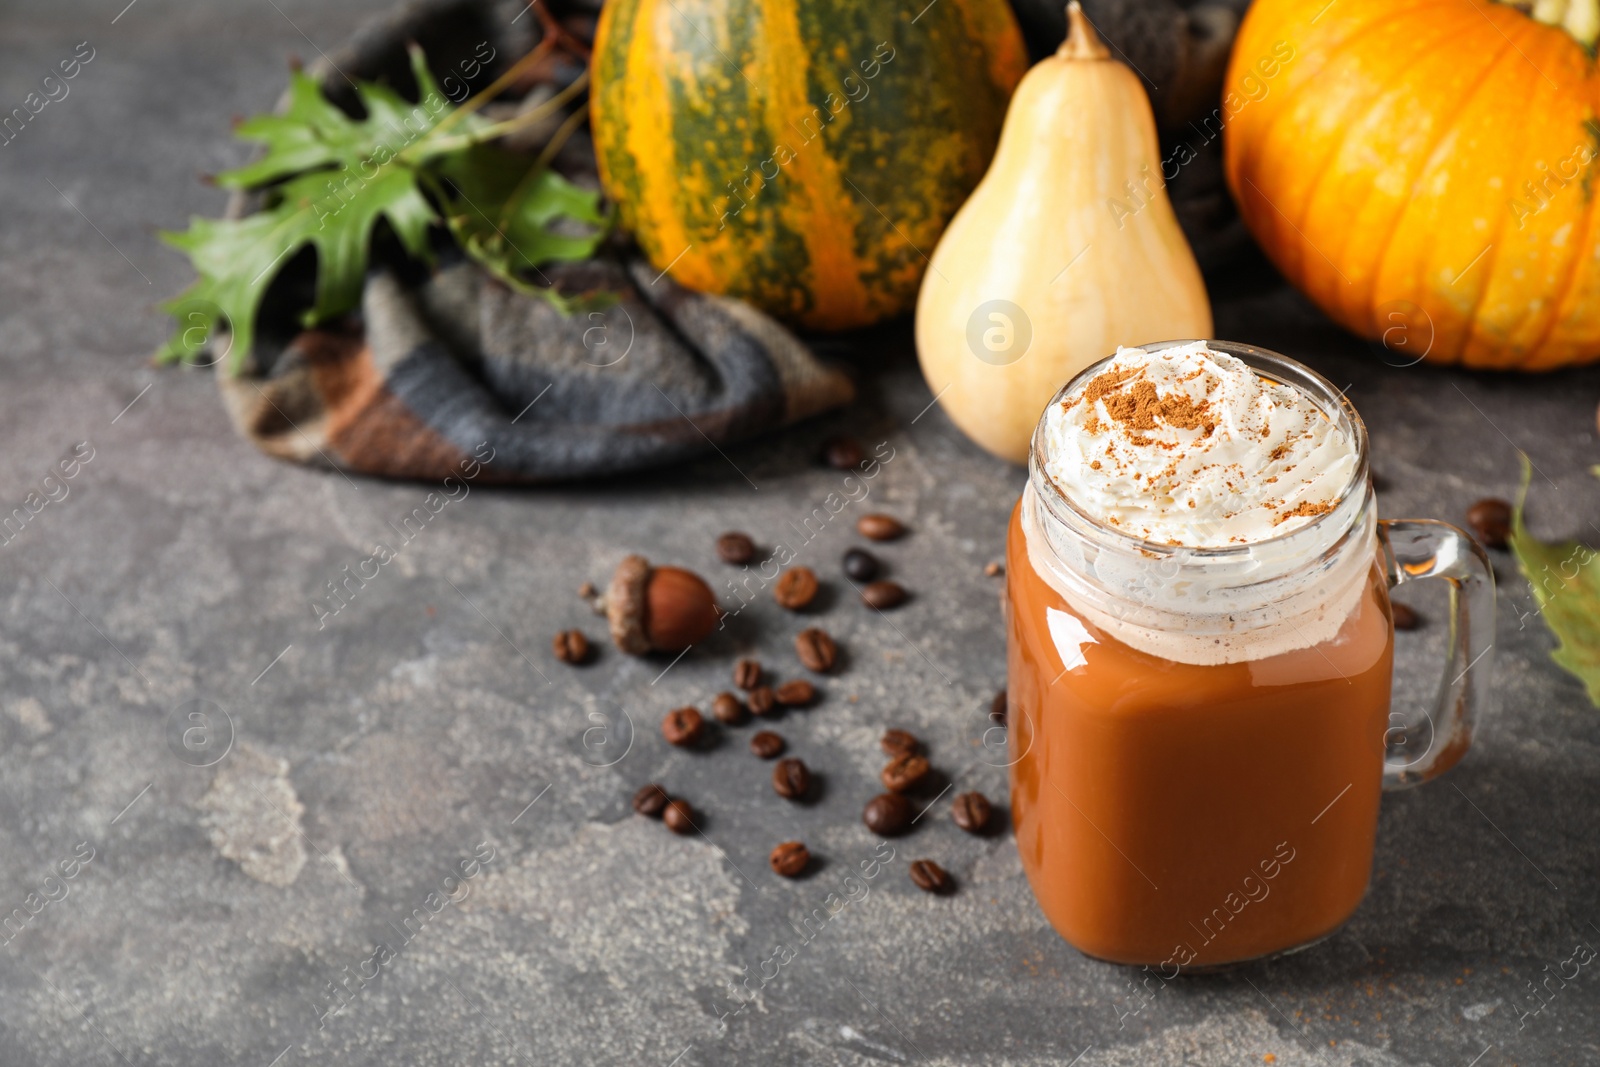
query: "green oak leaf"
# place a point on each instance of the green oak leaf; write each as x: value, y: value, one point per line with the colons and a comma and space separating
x: 1565, y: 578
x: 312, y: 134
x: 505, y: 216
x: 337, y: 177
x: 237, y: 259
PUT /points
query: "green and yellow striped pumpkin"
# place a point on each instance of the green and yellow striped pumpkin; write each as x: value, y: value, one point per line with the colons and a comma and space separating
x: 800, y: 154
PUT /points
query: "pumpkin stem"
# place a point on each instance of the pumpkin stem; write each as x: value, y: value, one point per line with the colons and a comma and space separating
x: 1082, y: 42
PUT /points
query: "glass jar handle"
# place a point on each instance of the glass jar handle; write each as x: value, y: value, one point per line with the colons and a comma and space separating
x: 1421, y: 745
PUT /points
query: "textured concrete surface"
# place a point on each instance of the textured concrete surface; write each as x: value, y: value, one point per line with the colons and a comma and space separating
x: 273, y: 905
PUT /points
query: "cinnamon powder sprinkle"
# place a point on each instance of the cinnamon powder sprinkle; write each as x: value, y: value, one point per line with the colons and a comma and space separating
x: 1303, y: 510
x: 1137, y: 408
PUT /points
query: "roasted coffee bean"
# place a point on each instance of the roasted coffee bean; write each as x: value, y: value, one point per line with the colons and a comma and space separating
x: 683, y: 726
x: 1404, y: 617
x: 767, y: 745
x: 747, y: 674
x: 816, y: 650
x: 899, y: 743
x: 930, y: 877
x: 791, y: 778
x: 843, y: 453
x: 904, y: 772
x: 588, y: 591
x: 790, y: 859
x: 729, y: 709
x: 971, y: 812
x: 650, y: 800
x: 795, y: 588
x: 860, y: 565
x: 887, y: 814
x: 883, y: 595
x: 570, y: 646
x: 997, y: 708
x: 1490, y: 519
x: 762, y: 700
x: 879, y: 527
x: 678, y: 816
x: 992, y: 570
x: 797, y: 693
x: 735, y: 547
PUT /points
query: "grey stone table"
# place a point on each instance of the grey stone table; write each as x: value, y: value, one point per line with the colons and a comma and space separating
x: 274, y: 907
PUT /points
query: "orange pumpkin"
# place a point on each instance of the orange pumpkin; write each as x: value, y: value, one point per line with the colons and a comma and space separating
x: 1423, y: 170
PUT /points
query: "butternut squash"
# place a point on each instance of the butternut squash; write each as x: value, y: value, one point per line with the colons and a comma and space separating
x: 1067, y: 249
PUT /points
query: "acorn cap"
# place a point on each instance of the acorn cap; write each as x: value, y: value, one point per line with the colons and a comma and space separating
x: 626, y: 605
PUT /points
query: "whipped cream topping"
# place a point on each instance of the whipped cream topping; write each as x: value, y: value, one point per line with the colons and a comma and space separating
x: 1189, y: 446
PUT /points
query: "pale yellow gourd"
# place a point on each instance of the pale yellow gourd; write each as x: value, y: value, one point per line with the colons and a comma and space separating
x: 1067, y: 249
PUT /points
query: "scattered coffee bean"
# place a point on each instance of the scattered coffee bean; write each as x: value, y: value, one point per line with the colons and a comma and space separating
x: 650, y: 800
x: 879, y: 527
x: 790, y: 859
x: 843, y: 453
x: 1404, y: 617
x: 729, y: 709
x: 991, y: 570
x: 791, y: 778
x: 735, y: 547
x: 997, y: 708
x: 678, y: 816
x: 683, y: 726
x: 797, y: 693
x: 767, y: 745
x: 904, y: 772
x: 747, y: 674
x: 1490, y: 519
x: 972, y: 812
x: 899, y: 743
x: 930, y: 877
x: 883, y: 595
x: 762, y: 700
x: 588, y: 591
x: 795, y: 588
x: 887, y: 815
x: 570, y: 646
x: 816, y: 650
x: 860, y: 565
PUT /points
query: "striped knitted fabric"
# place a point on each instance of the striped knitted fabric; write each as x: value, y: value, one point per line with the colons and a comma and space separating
x: 439, y: 369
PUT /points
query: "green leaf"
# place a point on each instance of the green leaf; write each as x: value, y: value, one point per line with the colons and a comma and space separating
x: 505, y: 215
x: 238, y: 259
x: 313, y: 134
x: 338, y: 177
x: 1566, y: 587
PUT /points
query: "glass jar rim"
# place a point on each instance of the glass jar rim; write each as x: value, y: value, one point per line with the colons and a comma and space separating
x: 1274, y: 366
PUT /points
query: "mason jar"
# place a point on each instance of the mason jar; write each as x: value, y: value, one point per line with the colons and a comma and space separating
x: 1200, y: 736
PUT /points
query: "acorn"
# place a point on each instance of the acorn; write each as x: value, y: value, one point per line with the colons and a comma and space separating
x: 658, y: 609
